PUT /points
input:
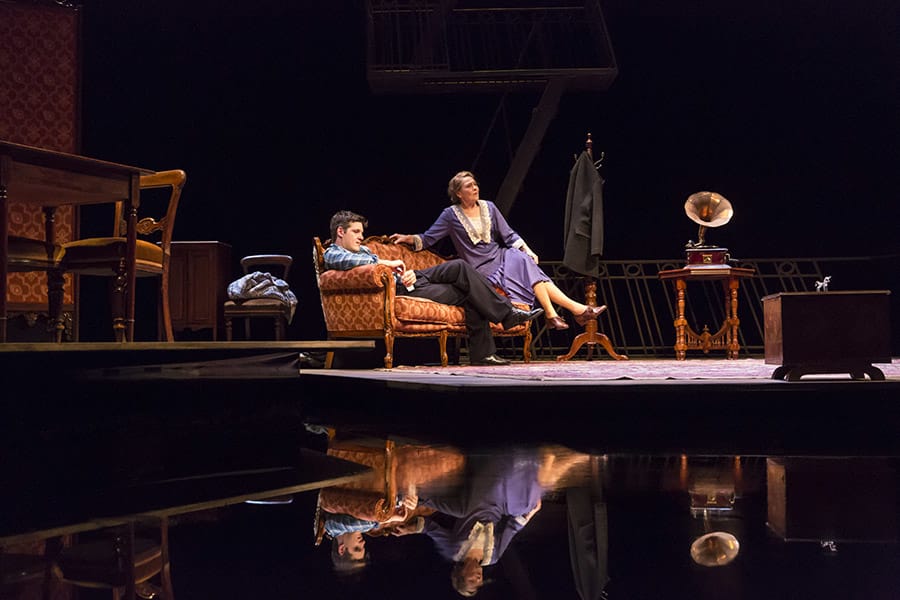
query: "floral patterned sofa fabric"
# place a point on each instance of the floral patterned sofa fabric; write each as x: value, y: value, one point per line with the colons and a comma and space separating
x: 362, y: 302
x: 411, y: 310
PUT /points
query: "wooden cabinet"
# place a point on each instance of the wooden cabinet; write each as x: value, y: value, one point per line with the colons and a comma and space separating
x: 827, y: 332
x: 199, y: 275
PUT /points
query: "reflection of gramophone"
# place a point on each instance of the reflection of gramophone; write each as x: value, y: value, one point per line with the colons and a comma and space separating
x: 713, y: 488
x: 715, y: 549
x: 707, y: 209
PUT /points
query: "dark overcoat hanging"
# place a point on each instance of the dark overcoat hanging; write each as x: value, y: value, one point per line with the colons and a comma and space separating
x: 583, y: 236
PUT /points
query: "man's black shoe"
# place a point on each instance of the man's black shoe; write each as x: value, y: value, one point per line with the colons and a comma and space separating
x: 518, y: 316
x: 491, y: 360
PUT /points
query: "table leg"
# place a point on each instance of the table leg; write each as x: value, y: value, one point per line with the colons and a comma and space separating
x: 55, y: 280
x: 731, y: 309
x: 726, y: 322
x: 131, y: 207
x: 680, y: 321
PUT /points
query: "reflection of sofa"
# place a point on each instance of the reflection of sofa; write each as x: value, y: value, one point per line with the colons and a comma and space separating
x: 396, y: 471
x: 362, y: 303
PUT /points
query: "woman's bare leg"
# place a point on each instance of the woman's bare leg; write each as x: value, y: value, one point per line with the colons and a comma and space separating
x: 542, y: 293
x: 554, y: 295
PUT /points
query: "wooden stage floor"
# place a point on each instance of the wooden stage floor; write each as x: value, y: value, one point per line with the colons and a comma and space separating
x: 591, y: 373
x: 697, y: 405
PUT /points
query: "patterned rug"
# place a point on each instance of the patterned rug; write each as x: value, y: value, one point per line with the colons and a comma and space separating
x: 659, y: 369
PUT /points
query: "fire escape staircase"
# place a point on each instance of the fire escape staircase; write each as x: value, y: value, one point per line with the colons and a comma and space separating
x: 491, y: 46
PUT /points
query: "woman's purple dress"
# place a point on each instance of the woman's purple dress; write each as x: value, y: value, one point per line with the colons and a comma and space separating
x: 491, y: 246
x: 498, y: 489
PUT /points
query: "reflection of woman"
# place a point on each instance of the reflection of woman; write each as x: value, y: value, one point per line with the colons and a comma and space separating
x: 474, y: 525
x: 483, y: 238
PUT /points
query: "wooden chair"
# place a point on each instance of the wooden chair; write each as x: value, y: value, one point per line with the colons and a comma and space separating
x: 266, y: 308
x: 26, y: 255
x: 104, y: 563
x: 24, y: 575
x: 105, y: 256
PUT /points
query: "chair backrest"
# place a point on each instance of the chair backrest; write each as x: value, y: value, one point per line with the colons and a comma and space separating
x: 147, y: 225
x: 87, y: 564
x: 283, y: 262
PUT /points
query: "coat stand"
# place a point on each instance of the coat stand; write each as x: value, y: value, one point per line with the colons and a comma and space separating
x: 591, y: 336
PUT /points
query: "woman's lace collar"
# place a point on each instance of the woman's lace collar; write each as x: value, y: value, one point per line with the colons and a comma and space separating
x: 480, y: 232
x: 482, y: 537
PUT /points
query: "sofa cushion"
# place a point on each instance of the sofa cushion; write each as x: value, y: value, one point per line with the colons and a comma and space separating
x: 421, y: 310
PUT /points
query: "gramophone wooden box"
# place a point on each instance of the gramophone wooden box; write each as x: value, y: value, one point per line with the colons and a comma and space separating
x: 707, y: 256
x: 827, y: 329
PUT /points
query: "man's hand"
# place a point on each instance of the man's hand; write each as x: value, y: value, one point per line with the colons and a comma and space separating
x: 411, y: 501
x: 397, y: 265
x: 411, y: 526
x: 400, y: 515
x: 402, y: 238
x: 408, y: 278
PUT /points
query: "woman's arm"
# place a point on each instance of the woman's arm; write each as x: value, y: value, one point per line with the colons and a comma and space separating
x: 507, y: 234
x: 438, y: 231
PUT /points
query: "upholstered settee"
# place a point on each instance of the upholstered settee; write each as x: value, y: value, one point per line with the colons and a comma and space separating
x: 362, y: 303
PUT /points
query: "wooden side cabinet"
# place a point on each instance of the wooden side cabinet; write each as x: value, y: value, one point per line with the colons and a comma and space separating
x: 828, y: 332
x: 199, y: 274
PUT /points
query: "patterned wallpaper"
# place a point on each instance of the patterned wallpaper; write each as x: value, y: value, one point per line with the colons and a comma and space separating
x: 39, y: 106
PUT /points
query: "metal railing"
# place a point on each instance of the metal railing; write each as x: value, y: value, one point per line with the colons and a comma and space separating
x: 639, y: 321
x: 483, y: 46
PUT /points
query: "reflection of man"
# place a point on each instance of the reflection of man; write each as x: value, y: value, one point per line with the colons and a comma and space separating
x: 453, y: 282
x: 381, y: 500
x: 348, y: 551
x: 348, y: 546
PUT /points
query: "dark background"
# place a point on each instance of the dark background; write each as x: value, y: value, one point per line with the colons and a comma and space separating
x: 789, y: 111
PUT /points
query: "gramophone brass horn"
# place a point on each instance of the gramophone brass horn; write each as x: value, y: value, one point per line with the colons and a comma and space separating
x: 708, y: 209
x: 715, y: 549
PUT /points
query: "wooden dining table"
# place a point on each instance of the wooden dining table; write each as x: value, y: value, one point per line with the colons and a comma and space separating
x: 49, y: 179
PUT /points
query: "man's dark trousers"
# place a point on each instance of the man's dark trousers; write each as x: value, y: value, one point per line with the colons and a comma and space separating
x: 457, y: 283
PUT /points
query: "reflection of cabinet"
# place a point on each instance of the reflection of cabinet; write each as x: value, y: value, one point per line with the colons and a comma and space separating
x: 837, y: 499
x: 198, y: 277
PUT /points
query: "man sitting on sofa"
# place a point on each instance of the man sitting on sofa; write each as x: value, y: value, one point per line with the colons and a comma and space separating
x: 453, y: 282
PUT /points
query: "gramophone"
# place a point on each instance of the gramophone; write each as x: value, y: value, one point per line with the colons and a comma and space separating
x: 707, y: 209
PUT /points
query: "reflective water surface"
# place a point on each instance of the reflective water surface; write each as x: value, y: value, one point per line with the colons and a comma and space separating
x: 545, y: 521
x: 435, y: 521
